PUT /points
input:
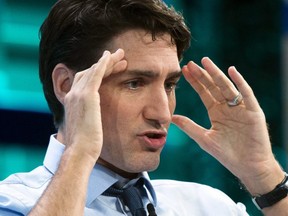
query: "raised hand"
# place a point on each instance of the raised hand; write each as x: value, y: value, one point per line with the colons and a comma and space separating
x: 238, y: 137
x: 81, y: 133
x: 83, y: 126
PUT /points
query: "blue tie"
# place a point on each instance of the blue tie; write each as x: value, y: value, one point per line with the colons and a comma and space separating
x: 130, y: 196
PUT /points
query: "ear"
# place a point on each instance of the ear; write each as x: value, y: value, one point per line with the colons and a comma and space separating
x: 62, y: 78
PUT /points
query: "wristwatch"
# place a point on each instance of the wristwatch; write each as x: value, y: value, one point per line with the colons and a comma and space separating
x: 272, y: 197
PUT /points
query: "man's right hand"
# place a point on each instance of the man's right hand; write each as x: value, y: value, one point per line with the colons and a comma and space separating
x: 81, y: 132
x: 82, y: 124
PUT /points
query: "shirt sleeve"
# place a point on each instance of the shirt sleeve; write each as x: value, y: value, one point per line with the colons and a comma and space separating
x: 13, y: 203
x: 19, y: 192
x: 7, y: 212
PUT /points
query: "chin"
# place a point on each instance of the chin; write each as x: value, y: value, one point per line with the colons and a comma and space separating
x: 131, y: 168
x: 146, y: 165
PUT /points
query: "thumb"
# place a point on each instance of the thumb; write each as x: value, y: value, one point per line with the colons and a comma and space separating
x: 193, y: 130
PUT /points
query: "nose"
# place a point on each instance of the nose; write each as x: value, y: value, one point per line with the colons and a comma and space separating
x: 159, y: 107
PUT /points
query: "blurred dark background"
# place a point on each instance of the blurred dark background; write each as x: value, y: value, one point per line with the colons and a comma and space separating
x: 248, y: 34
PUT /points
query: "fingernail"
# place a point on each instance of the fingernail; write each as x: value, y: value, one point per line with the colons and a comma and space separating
x: 234, y: 68
x: 106, y: 52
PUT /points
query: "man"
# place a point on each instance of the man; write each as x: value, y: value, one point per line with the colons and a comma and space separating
x: 113, y: 118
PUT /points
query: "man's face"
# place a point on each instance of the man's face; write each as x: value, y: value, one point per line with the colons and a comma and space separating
x: 137, y: 104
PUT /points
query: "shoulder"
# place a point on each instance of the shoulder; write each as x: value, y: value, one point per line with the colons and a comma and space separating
x: 174, y: 185
x: 196, y: 196
x: 187, y: 188
x: 20, y: 191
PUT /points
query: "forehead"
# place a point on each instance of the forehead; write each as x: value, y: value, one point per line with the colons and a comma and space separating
x: 139, y: 37
x: 141, y: 49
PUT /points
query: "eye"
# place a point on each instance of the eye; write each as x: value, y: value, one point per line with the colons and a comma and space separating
x: 171, y: 86
x: 134, y: 84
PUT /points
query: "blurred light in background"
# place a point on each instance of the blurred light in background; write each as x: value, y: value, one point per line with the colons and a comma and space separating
x: 284, y: 83
x: 19, y: 26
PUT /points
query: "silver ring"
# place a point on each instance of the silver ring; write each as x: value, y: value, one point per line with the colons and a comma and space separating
x: 235, y: 101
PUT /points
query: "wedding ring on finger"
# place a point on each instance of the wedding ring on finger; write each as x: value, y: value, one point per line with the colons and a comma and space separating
x: 235, y: 101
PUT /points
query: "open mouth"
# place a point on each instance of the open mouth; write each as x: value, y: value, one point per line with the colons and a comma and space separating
x: 154, y: 140
x: 154, y: 135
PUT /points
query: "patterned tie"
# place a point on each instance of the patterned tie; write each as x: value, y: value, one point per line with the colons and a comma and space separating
x: 131, y: 197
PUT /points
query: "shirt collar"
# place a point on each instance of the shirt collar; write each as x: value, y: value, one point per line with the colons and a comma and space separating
x: 53, y: 154
x: 100, y: 179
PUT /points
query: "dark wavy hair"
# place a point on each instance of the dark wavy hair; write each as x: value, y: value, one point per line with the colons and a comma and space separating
x: 76, y: 32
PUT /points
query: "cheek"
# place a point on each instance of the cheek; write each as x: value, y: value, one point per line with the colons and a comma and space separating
x: 108, y: 114
x: 172, y: 103
x: 118, y: 112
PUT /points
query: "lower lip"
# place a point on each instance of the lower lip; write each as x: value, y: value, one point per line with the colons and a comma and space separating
x: 154, y: 143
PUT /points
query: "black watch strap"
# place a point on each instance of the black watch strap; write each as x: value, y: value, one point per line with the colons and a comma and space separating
x: 274, y: 196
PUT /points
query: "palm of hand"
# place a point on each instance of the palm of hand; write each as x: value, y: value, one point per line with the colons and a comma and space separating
x: 238, y: 137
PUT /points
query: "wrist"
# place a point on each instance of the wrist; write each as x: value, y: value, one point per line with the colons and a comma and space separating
x: 83, y: 147
x: 276, y: 195
x: 264, y: 182
x: 75, y: 160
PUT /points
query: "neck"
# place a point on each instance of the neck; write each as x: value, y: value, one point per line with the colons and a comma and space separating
x: 120, y: 172
x: 102, y: 162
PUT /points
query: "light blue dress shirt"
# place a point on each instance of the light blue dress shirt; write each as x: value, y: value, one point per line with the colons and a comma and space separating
x: 19, y: 192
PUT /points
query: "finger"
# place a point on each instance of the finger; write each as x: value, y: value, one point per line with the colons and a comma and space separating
x: 116, y: 63
x: 192, y: 129
x: 198, y: 87
x: 107, y: 64
x: 228, y: 90
x: 85, y: 75
x: 249, y: 98
x: 191, y: 73
x: 207, y: 82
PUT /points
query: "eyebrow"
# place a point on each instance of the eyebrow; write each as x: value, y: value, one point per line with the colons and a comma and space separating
x: 151, y: 74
